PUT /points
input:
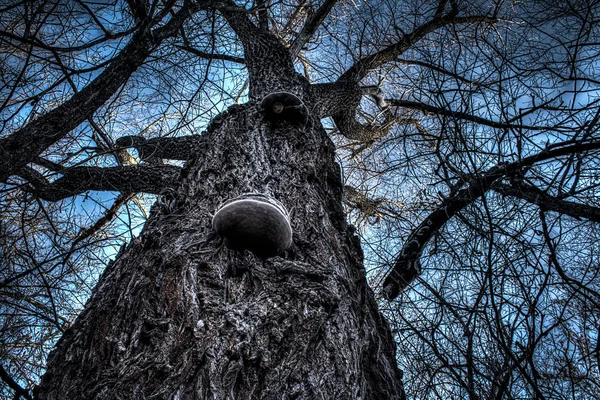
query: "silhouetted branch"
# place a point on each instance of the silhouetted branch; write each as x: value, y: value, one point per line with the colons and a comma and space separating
x: 170, y: 148
x: 578, y: 286
x: 426, y: 108
x: 211, y: 56
x: 22, y: 146
x: 19, y: 391
x: 108, y: 216
x: 542, y: 199
x: 407, y: 266
x: 127, y: 180
x: 389, y: 54
x: 261, y: 48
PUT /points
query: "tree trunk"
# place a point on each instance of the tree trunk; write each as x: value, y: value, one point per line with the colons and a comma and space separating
x: 178, y: 315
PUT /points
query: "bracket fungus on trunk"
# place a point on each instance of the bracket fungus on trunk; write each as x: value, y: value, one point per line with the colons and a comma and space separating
x: 285, y: 106
x: 255, y: 222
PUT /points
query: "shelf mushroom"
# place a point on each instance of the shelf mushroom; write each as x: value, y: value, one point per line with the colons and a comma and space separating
x: 285, y: 106
x: 255, y: 222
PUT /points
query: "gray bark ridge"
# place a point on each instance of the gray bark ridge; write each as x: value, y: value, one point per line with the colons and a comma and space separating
x: 177, y: 315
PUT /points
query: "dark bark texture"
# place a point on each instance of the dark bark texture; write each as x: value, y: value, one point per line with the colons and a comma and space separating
x: 178, y: 315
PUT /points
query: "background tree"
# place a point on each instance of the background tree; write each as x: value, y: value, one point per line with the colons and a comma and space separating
x: 468, y: 136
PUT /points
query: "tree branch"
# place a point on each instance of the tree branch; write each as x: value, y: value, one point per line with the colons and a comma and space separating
x: 263, y: 15
x: 581, y: 288
x: 426, y: 108
x: 138, y: 10
x: 39, y: 44
x: 127, y: 180
x: 261, y: 48
x: 542, y: 199
x: 366, y: 205
x: 22, y: 146
x: 340, y: 100
x: 19, y: 391
x: 182, y: 148
x: 353, y: 130
x: 407, y: 266
x: 311, y: 26
x: 441, y: 70
x: 362, y: 67
x: 211, y: 56
x: 108, y: 216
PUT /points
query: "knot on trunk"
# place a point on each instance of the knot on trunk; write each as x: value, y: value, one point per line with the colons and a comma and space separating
x: 285, y: 106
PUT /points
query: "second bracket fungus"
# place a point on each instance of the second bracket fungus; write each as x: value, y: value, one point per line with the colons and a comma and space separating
x: 285, y: 106
x: 254, y: 222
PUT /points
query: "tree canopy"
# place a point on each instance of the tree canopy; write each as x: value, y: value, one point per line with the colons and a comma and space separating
x: 468, y: 133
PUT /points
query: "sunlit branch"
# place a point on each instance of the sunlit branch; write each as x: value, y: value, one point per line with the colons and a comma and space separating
x: 407, y: 266
x: 311, y: 26
x: 353, y: 130
x: 127, y: 180
x: 341, y: 101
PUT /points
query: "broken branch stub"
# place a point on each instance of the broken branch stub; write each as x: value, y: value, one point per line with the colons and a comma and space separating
x: 254, y: 222
x: 285, y: 106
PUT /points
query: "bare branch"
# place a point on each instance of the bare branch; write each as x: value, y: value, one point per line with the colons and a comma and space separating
x: 171, y: 148
x: 407, y: 266
x: 441, y: 70
x: 25, y: 144
x: 108, y: 216
x: 538, y: 197
x: 311, y: 26
x: 579, y: 287
x: 19, y: 391
x: 426, y: 108
x: 211, y: 56
x: 363, y: 203
x: 362, y: 67
x: 138, y: 10
x: 262, y: 48
x: 127, y: 180
x: 263, y: 15
x: 353, y: 130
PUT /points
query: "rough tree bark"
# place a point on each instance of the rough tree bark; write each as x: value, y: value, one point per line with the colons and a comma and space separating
x: 178, y: 315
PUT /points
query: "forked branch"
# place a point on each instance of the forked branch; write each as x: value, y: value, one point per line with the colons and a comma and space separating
x: 390, y: 53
